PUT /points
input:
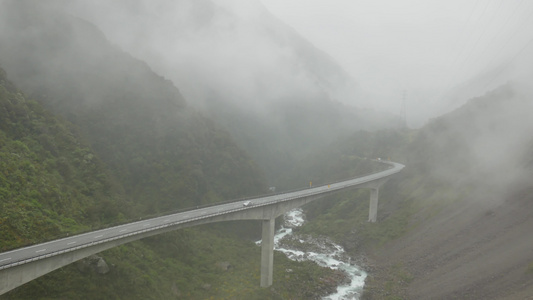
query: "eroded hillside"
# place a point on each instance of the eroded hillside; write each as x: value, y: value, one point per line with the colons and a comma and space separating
x: 455, y: 222
x: 471, y: 240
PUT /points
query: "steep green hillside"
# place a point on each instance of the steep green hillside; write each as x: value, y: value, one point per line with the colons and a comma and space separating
x: 52, y: 185
x: 139, y: 133
x: 165, y: 155
x: 51, y: 182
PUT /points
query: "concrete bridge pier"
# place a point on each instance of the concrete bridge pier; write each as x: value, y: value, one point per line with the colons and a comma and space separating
x: 267, y: 252
x: 374, y: 195
x: 373, y: 211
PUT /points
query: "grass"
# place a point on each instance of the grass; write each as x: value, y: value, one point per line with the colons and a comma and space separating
x: 185, y: 265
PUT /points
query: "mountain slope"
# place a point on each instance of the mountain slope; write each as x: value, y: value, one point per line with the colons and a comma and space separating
x: 162, y: 154
x: 278, y: 95
x: 454, y: 223
x: 516, y: 69
x: 466, y: 201
x: 476, y: 246
x: 136, y: 121
x: 51, y: 183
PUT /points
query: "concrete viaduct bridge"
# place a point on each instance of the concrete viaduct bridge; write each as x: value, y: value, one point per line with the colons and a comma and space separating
x: 25, y: 264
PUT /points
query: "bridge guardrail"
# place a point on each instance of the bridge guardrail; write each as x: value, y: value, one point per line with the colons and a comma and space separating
x: 186, y: 209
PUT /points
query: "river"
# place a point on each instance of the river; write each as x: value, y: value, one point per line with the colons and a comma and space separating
x: 321, y: 250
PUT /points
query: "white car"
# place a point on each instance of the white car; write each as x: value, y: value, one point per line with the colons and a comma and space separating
x: 246, y: 203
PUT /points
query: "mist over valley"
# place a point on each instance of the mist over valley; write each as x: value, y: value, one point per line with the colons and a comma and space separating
x: 118, y: 111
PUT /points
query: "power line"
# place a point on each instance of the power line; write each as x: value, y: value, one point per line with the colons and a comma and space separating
x: 465, y: 25
x: 515, y: 32
x: 503, y: 45
x: 472, y: 51
x: 509, y: 63
x: 502, y: 29
x: 450, y: 78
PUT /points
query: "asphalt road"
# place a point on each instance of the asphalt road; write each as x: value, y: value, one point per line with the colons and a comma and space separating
x: 27, y: 254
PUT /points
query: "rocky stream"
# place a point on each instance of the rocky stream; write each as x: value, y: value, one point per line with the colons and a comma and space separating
x: 322, y: 251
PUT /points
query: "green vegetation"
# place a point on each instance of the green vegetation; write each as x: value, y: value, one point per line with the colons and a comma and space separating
x: 53, y: 185
x: 125, y: 145
x: 198, y: 263
x: 344, y: 216
x: 163, y: 154
x: 397, y: 277
x: 50, y: 182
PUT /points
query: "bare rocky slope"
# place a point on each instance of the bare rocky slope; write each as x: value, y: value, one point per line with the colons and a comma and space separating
x: 469, y: 225
x: 470, y: 252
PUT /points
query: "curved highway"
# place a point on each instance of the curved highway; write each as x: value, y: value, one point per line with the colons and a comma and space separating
x: 73, y: 243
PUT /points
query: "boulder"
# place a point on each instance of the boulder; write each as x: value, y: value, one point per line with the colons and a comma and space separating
x: 93, y: 263
x: 102, y: 267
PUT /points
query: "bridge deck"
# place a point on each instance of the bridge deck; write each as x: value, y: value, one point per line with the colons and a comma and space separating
x: 78, y: 246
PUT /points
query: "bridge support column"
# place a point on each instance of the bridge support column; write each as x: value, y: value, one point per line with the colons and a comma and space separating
x: 373, y: 211
x: 267, y: 252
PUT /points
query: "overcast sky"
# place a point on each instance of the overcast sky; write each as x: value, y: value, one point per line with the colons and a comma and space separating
x: 422, y: 46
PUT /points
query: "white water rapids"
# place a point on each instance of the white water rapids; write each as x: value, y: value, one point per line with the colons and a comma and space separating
x: 324, y: 252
